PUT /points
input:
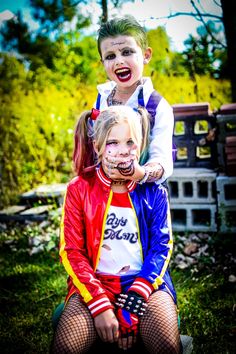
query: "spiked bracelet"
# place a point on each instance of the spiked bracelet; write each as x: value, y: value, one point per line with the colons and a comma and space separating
x: 132, y: 302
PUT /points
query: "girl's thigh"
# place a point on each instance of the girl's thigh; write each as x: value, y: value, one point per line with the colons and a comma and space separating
x: 159, y: 325
x: 75, y: 332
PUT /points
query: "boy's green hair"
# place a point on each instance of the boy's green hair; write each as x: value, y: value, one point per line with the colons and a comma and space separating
x: 124, y: 26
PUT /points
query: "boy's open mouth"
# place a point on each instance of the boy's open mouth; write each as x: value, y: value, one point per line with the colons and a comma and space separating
x: 123, y: 74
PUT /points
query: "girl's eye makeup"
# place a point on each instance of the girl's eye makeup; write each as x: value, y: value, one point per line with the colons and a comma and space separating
x: 111, y: 142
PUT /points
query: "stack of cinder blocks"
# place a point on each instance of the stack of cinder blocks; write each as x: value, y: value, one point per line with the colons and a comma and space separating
x: 226, y: 201
x: 193, y: 200
x: 192, y: 187
x: 203, y: 186
x: 194, y: 135
x: 226, y: 181
x: 226, y: 139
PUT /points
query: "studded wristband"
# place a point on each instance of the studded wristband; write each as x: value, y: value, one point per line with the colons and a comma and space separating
x: 132, y: 302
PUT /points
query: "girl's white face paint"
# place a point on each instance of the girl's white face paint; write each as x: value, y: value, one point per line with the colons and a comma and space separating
x: 120, y: 147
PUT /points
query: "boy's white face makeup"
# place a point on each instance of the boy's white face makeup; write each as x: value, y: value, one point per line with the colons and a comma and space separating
x: 123, y: 60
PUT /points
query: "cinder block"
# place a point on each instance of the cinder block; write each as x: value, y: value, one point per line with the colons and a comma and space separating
x: 226, y: 191
x: 192, y: 133
x: 193, y: 217
x: 227, y: 219
x: 221, y: 157
x: 226, y: 126
x: 193, y: 186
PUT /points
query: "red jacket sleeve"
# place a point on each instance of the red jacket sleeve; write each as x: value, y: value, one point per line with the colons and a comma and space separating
x: 73, y: 252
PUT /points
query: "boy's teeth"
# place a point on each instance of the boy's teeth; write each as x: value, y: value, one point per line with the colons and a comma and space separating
x: 121, y: 70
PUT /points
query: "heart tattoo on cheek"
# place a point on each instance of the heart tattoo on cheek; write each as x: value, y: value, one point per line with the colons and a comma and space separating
x: 126, y: 170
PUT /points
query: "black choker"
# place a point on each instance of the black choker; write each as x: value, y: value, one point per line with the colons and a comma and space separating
x: 121, y: 182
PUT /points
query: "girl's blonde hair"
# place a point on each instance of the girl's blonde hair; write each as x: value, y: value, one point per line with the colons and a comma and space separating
x: 138, y: 122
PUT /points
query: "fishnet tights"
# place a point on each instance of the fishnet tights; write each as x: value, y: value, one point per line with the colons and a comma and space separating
x: 75, y: 331
x: 159, y: 326
x: 76, y: 334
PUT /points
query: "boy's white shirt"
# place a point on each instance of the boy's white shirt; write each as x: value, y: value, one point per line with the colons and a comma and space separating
x: 160, y: 149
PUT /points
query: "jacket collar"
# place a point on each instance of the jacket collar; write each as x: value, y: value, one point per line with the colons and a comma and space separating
x: 130, y: 185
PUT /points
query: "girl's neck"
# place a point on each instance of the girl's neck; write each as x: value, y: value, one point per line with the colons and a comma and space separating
x: 119, y: 186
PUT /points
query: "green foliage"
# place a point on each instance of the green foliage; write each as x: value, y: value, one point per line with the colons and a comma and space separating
x: 38, y: 110
x: 77, y: 57
x: 39, y: 105
x: 204, y: 54
x: 179, y: 89
x: 37, y: 119
x: 160, y: 44
x: 39, y: 46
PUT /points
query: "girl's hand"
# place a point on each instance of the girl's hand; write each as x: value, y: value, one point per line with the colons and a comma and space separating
x: 127, y: 342
x: 107, y: 326
x: 128, y: 323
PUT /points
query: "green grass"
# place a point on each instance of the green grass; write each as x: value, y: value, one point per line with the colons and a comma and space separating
x: 207, y: 311
x: 33, y: 285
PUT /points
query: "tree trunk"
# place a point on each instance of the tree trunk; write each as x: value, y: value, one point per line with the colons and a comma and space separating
x: 229, y: 20
x: 104, y: 11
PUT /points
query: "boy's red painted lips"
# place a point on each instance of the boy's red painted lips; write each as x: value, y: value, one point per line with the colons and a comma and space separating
x: 123, y: 74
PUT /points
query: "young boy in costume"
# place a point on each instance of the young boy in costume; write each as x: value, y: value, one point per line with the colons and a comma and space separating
x: 124, y: 50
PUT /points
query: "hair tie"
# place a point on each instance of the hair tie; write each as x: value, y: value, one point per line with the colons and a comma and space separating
x: 94, y: 113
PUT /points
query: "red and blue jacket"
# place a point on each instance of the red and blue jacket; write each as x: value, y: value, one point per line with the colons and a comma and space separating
x: 85, y: 209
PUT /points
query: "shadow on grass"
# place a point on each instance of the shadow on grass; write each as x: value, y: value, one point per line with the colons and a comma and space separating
x: 31, y: 288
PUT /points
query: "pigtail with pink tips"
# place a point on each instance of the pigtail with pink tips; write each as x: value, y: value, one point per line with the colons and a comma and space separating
x: 83, y: 154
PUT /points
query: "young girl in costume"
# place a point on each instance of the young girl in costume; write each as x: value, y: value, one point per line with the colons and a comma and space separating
x: 115, y: 244
x: 124, y: 50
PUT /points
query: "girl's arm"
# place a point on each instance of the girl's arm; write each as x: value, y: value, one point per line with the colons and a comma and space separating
x: 157, y: 259
x: 73, y: 252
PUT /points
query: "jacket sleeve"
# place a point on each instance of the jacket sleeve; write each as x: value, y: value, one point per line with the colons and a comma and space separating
x: 160, y: 247
x: 160, y: 149
x: 73, y: 253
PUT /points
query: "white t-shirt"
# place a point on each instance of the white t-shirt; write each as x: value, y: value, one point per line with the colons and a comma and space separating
x: 120, y: 250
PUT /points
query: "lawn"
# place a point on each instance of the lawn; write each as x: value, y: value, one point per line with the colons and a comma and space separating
x: 33, y: 282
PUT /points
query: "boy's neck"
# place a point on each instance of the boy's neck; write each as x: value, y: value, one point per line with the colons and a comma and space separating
x: 129, y: 90
x: 124, y: 92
